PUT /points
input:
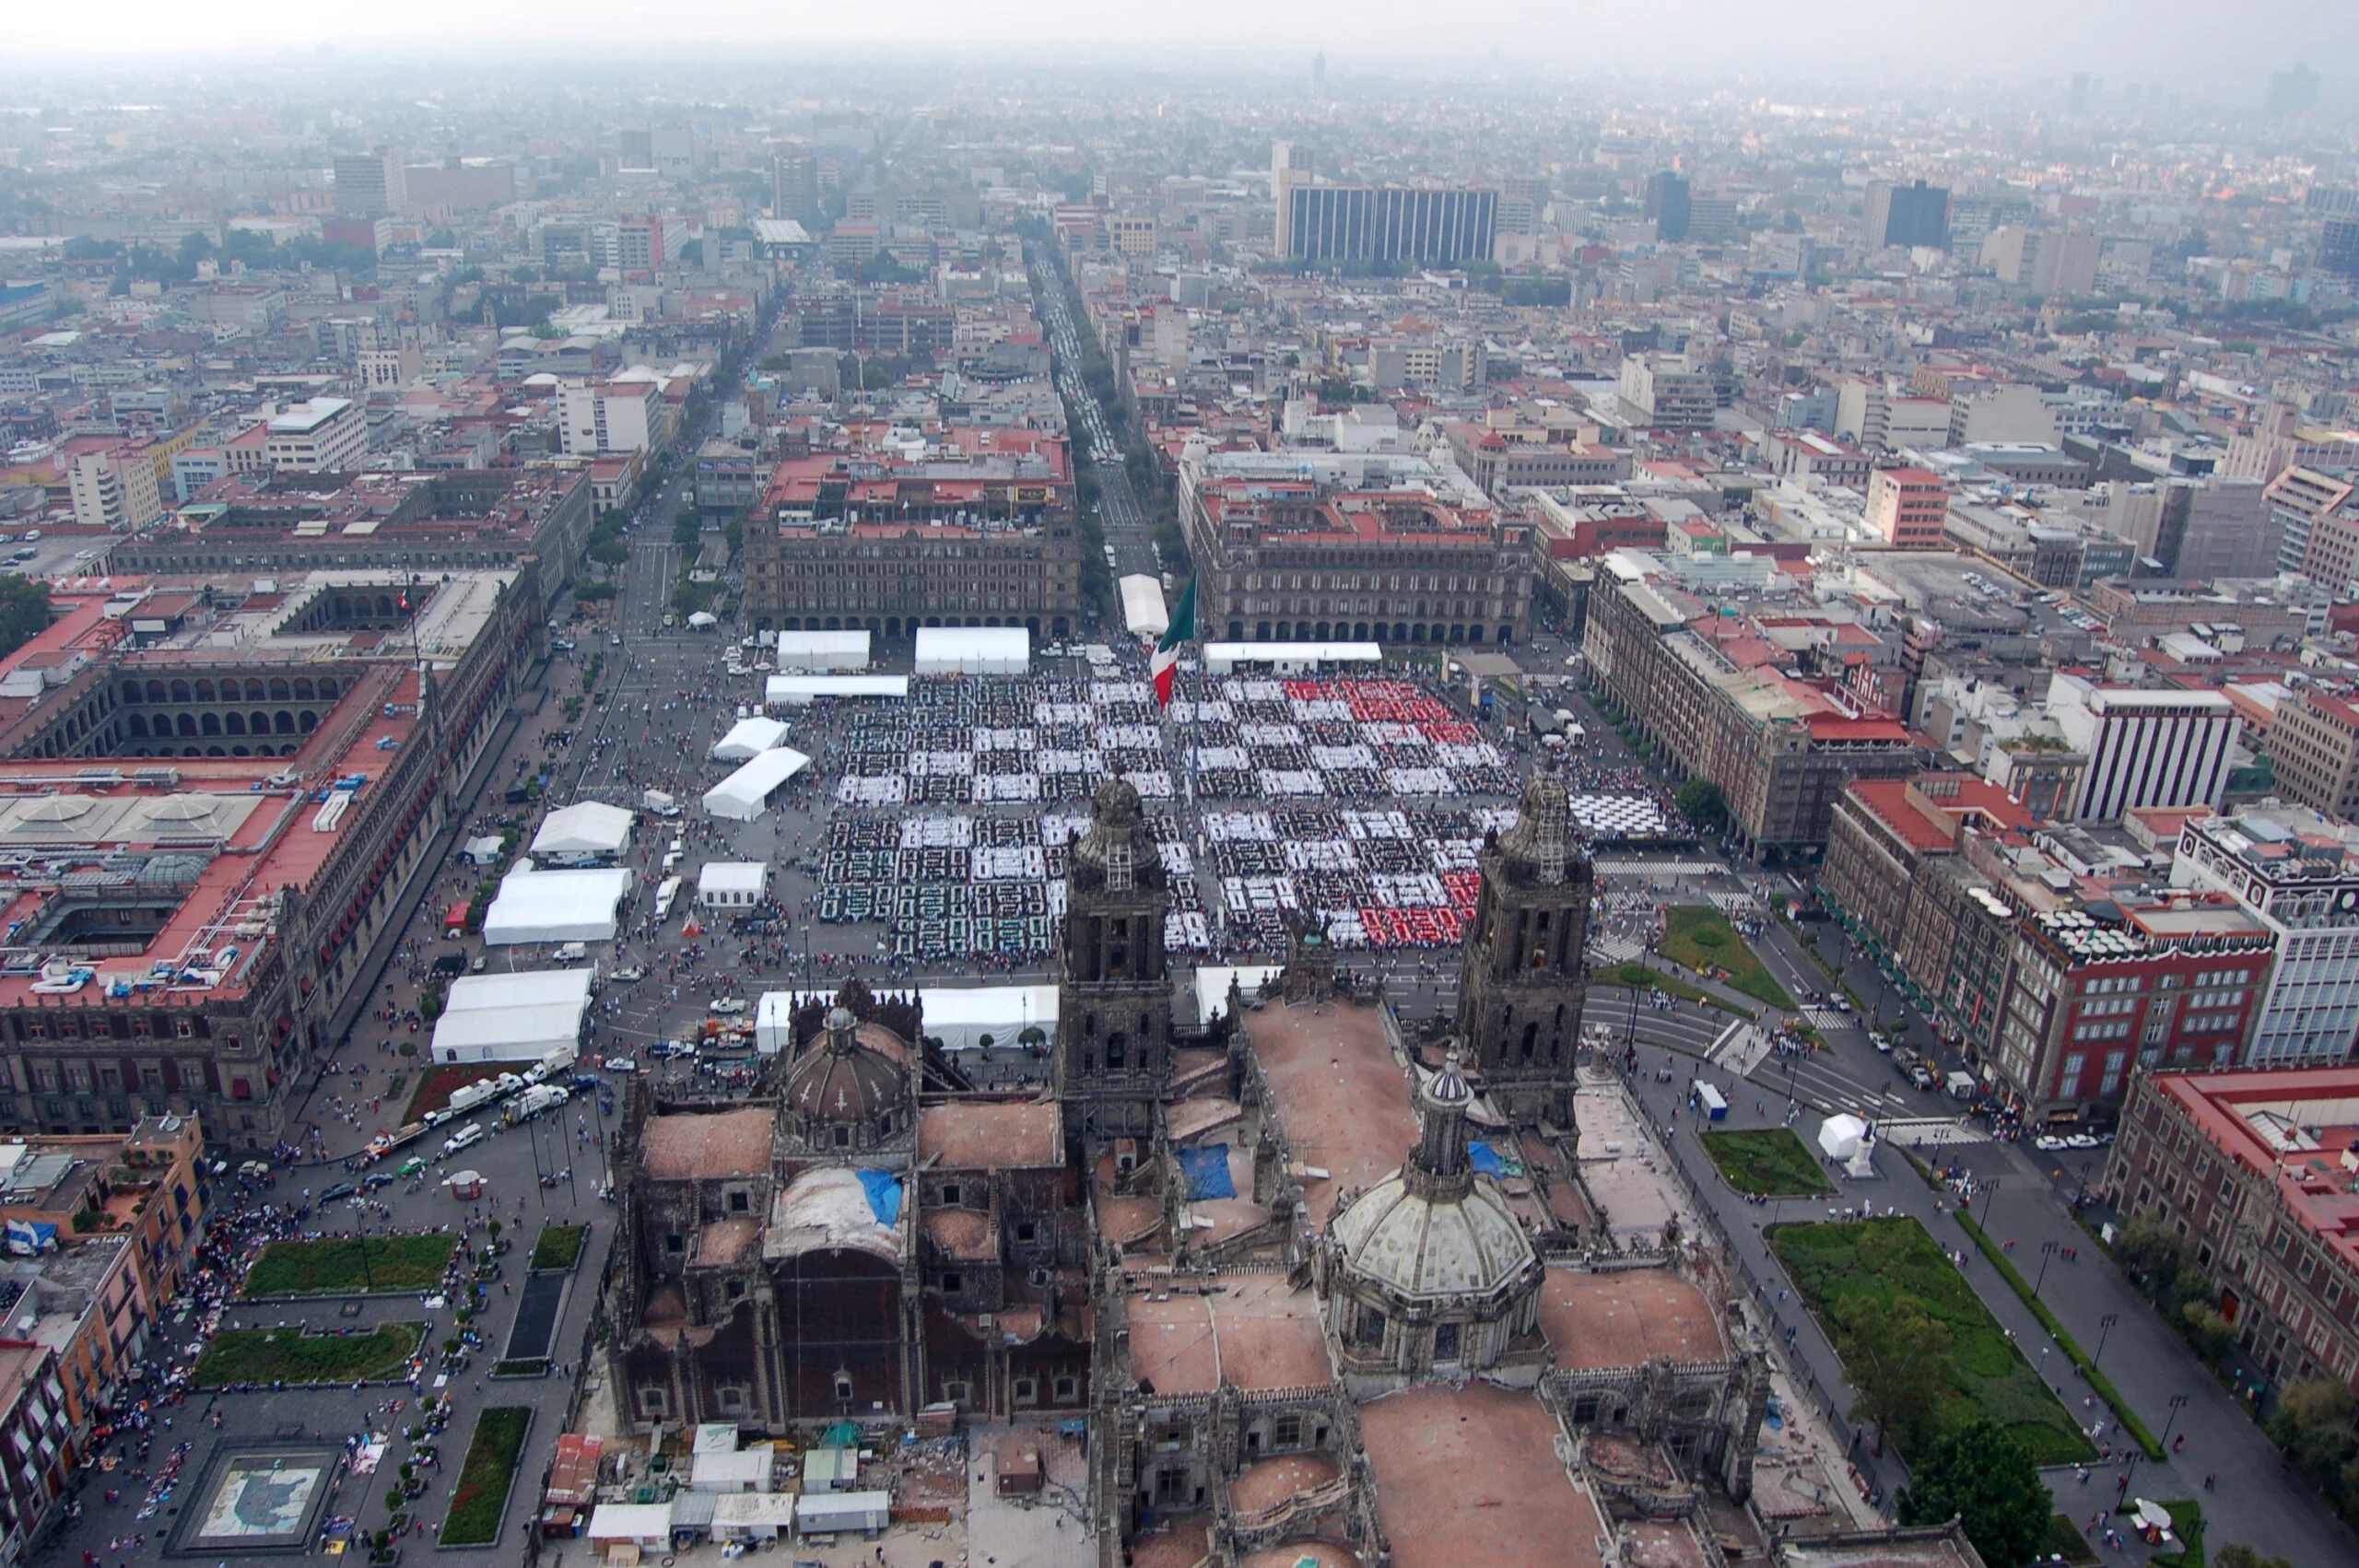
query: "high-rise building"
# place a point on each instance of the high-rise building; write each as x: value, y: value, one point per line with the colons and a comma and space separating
x: 795, y: 186
x: 1663, y: 391
x: 1318, y: 74
x: 2293, y: 870
x: 1909, y: 506
x: 2292, y: 92
x: 1386, y: 223
x: 1522, y: 973
x: 1667, y: 204
x: 1907, y: 216
x: 370, y: 184
x: 2145, y: 748
x: 1290, y: 167
x: 2339, y: 246
x: 2314, y: 742
x: 635, y: 152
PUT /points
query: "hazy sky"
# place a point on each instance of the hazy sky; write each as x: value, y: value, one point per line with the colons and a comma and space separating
x: 2184, y: 42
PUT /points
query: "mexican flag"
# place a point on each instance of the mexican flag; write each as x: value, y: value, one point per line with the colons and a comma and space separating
x: 1165, y: 663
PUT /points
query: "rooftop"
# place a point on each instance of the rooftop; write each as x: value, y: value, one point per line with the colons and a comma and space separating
x: 1626, y: 1318
x: 1471, y: 1476
x: 702, y: 1148
x: 1256, y: 1333
x: 987, y: 1137
x: 1341, y: 1095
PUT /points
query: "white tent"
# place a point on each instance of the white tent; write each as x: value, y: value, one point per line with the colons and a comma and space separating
x: 516, y: 1017
x: 1840, y: 1136
x: 1220, y: 658
x: 822, y: 651
x: 576, y: 905
x: 974, y: 651
x: 746, y: 794
x: 962, y: 1017
x: 774, y: 1021
x: 1143, y: 608
x: 702, y: 620
x: 732, y: 885
x: 749, y: 738
x: 1212, y: 985
x: 586, y: 830
x: 793, y: 691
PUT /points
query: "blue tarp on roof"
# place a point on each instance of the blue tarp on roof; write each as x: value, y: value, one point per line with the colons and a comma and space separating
x: 1207, y: 1173
x: 883, y: 1194
x: 1490, y: 1161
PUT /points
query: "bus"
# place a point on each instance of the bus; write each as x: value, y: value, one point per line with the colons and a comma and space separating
x: 1711, y: 1102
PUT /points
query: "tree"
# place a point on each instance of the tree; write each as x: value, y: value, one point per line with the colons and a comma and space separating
x: 607, y: 550
x: 1982, y: 1476
x: 1701, y: 803
x: 2313, y: 1424
x: 1898, y: 1357
x: 24, y: 611
x: 2150, y: 1252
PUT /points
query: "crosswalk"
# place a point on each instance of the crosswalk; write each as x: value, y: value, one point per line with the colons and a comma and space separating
x: 1658, y: 868
x: 1824, y: 1018
x: 1735, y: 903
x: 1607, y: 951
x: 1930, y: 1132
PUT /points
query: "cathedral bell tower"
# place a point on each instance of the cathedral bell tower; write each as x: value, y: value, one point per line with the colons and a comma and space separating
x: 1523, y: 972
x: 1113, y: 993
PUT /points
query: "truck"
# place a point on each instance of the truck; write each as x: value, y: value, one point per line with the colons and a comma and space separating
x: 533, y: 1101
x: 659, y: 802
x: 467, y: 1096
x: 1960, y: 1085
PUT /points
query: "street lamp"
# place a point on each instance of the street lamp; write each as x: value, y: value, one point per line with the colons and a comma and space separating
x: 2105, y: 1327
x: 1990, y: 1197
x: 2046, y: 1251
x: 2178, y: 1403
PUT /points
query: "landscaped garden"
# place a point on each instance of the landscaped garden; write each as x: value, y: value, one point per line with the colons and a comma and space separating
x: 1924, y: 1354
x: 350, y: 1266
x: 558, y: 1247
x: 1701, y: 937
x: 1766, y: 1161
x: 1639, y: 978
x: 289, y: 1355
x: 481, y: 1496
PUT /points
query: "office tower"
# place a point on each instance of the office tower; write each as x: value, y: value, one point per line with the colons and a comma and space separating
x: 795, y: 186
x: 2292, y: 92
x: 1522, y: 199
x: 1388, y: 223
x: 1290, y: 167
x: 635, y: 151
x: 1318, y: 74
x: 1907, y: 216
x: 368, y: 184
x: 2083, y: 91
x: 2339, y: 246
x: 674, y: 147
x: 1668, y: 204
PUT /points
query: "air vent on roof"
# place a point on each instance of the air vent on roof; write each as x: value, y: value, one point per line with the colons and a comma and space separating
x: 98, y: 776
x: 157, y: 777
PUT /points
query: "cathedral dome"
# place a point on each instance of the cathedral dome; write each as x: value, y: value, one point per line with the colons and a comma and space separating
x: 842, y: 1079
x: 1424, y: 1246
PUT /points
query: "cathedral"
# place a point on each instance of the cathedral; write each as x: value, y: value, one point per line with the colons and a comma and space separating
x: 1322, y: 1291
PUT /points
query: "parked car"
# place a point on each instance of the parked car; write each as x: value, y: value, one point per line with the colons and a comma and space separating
x: 466, y: 1136
x: 372, y: 1182
x: 341, y: 1189
x: 630, y: 976
x: 728, y: 1006
x: 619, y: 1064
x: 1923, y: 1076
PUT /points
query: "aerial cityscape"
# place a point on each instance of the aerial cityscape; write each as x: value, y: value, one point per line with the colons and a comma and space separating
x: 1346, y: 790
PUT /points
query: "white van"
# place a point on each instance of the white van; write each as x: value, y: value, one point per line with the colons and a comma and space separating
x: 572, y: 953
x: 466, y: 1136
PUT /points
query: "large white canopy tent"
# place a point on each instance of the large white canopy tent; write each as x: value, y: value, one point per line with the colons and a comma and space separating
x: 746, y: 794
x: 974, y: 651
x: 964, y: 1017
x: 515, y: 1017
x: 1142, y: 608
x: 822, y: 651
x: 749, y: 738
x: 793, y: 691
x: 586, y: 830
x: 569, y: 906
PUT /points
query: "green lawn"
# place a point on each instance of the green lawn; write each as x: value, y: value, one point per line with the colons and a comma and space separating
x: 390, y: 1266
x: 2065, y: 1540
x: 268, y: 1355
x: 2186, y: 1523
x: 1639, y: 978
x: 481, y: 1496
x: 558, y: 1247
x: 1880, y: 1261
x: 1701, y: 937
x: 1769, y: 1162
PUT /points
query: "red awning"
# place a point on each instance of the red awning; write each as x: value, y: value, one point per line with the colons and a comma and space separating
x: 455, y: 919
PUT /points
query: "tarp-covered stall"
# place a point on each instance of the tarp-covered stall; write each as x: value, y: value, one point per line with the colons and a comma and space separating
x: 587, y: 830
x: 822, y: 651
x: 1143, y: 608
x: 793, y: 691
x: 749, y: 738
x: 974, y: 651
x: 524, y: 1016
x: 746, y: 794
x: 572, y: 905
